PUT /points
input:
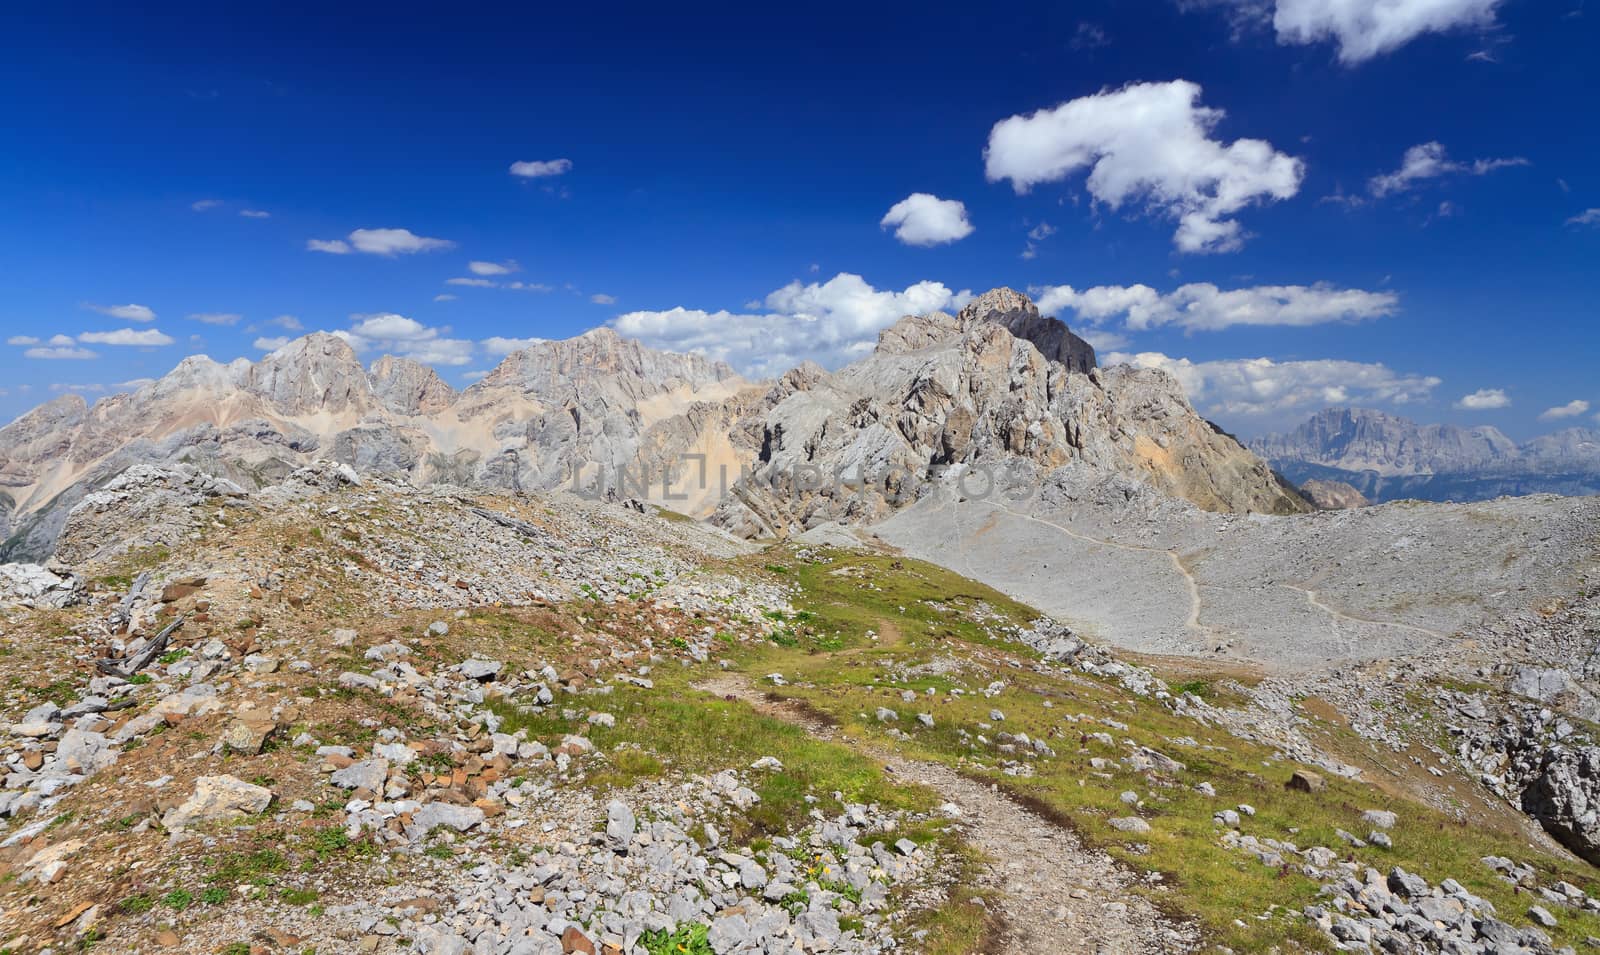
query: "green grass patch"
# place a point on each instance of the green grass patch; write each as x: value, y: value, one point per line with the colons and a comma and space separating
x: 923, y: 614
x: 687, y: 940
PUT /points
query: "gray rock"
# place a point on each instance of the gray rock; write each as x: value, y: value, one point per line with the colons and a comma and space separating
x: 620, y: 825
x: 218, y: 799
x: 368, y: 774
x: 434, y: 814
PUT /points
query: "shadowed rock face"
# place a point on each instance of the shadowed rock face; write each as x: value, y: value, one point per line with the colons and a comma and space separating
x: 996, y: 383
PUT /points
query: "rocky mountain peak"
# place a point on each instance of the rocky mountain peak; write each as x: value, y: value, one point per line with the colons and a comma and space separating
x: 316, y: 373
x: 408, y: 387
x: 1017, y: 313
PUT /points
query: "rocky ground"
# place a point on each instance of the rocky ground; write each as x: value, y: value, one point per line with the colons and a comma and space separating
x: 346, y: 714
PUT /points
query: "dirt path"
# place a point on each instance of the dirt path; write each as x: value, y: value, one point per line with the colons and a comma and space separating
x: 1055, y: 894
x: 1336, y: 614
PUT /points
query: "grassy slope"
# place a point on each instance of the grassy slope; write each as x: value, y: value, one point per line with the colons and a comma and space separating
x: 922, y: 613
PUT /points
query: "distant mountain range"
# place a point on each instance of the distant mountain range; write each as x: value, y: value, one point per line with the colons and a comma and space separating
x: 998, y: 385
x: 1387, y: 458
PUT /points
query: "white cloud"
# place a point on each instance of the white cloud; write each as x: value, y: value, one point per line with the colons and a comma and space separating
x: 287, y: 322
x: 468, y: 282
x: 1362, y: 28
x: 1429, y: 161
x: 270, y: 343
x: 1101, y: 339
x: 63, y: 340
x: 217, y: 318
x: 444, y: 298
x: 601, y: 298
x: 500, y: 347
x: 1484, y: 399
x: 540, y: 168
x: 204, y: 205
x: 407, y: 338
x: 59, y: 352
x: 923, y: 219
x: 384, y: 242
x: 831, y: 323
x: 128, y: 313
x: 127, y: 336
x: 22, y: 340
x: 1261, y: 386
x: 391, y: 242
x: 1147, y: 143
x: 1571, y: 409
x: 1365, y: 28
x: 477, y: 374
x: 255, y: 214
x: 493, y: 268
x: 1201, y: 306
x: 1586, y: 217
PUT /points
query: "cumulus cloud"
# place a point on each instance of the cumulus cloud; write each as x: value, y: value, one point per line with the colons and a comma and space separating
x: 22, y: 340
x: 493, y: 268
x: 1586, y: 217
x: 407, y: 338
x: 255, y: 214
x: 1363, y: 29
x: 385, y: 242
x: 1366, y: 28
x: 541, y: 168
x: 1484, y: 399
x: 1201, y: 306
x: 270, y: 343
x: 500, y: 347
x: 924, y: 219
x: 205, y: 205
x: 831, y: 323
x: 128, y: 313
x: 601, y: 298
x: 444, y: 297
x: 391, y: 242
x: 1148, y: 144
x: 288, y: 322
x: 217, y: 318
x: 148, y: 337
x: 1430, y: 161
x: 470, y: 282
x: 1262, y: 386
x: 1571, y: 409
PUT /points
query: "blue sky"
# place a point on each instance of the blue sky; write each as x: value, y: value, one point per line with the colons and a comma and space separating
x: 1285, y: 202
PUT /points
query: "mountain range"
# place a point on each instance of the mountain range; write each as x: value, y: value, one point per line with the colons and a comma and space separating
x: 997, y: 384
x: 1386, y: 457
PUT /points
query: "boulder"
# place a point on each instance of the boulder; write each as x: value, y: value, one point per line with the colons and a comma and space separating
x: 218, y: 799
x: 1305, y: 781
